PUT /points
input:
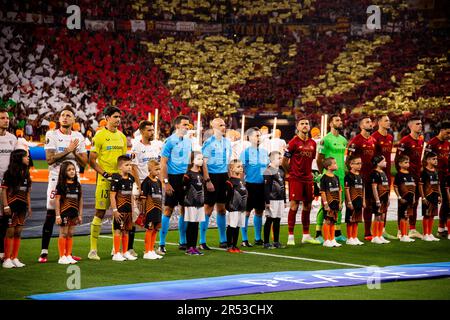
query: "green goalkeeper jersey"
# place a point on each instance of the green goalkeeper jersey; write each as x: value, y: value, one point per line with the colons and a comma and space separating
x: 332, y: 146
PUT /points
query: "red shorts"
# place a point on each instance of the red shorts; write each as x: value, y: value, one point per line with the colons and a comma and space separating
x: 301, y: 191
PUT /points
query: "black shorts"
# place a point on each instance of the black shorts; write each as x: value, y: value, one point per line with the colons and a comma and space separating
x: 218, y: 196
x: 404, y: 210
x: 127, y: 222
x: 177, y: 197
x: 352, y: 216
x: 152, y: 219
x: 16, y: 219
x: 255, y: 198
x: 69, y: 219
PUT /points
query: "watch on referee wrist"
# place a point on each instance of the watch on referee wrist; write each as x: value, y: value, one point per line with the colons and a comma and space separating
x: 208, y: 180
x: 166, y: 181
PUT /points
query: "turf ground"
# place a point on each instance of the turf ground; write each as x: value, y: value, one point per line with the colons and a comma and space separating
x: 51, y: 277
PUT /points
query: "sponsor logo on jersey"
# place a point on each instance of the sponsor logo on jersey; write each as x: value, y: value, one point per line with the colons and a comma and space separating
x: 108, y: 148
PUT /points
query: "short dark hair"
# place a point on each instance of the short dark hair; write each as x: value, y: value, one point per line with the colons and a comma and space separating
x: 362, y: 118
x: 109, y: 111
x: 379, y: 117
x: 414, y: 118
x: 402, y: 158
x: 444, y: 125
x: 178, y: 119
x: 144, y: 123
x: 302, y: 118
x: 122, y: 158
x: 377, y: 159
x: 332, y: 117
x: 429, y: 155
x: 352, y: 158
x: 328, y: 162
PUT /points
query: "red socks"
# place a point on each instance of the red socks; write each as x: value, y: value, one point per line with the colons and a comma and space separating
x: 404, y: 227
x: 62, y: 246
x: 377, y: 228
x: 8, y: 243
x: 153, y: 239
x: 305, y: 221
x: 116, y: 243
x: 124, y: 243
x: 150, y: 239
x: 350, y: 230
x: 332, y: 230
x: 326, y: 231
x: 148, y: 236
x: 427, y: 225
x: 355, y: 230
x: 69, y: 244
x: 291, y: 220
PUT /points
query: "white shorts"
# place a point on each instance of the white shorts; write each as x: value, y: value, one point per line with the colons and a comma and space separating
x: 193, y: 214
x: 276, y: 209
x: 51, y: 192
x: 236, y: 219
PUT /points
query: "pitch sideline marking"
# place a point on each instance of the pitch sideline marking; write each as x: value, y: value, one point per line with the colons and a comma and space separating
x: 273, y: 255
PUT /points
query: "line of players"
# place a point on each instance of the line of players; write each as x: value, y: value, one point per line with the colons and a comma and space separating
x: 366, y: 189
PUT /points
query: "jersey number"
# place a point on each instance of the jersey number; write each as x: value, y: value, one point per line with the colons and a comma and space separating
x: 105, y: 194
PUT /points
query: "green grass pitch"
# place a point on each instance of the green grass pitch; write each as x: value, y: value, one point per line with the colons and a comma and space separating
x: 38, y: 278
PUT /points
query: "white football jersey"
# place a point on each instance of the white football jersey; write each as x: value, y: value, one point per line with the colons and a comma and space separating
x: 142, y: 154
x: 58, y: 141
x: 8, y: 143
x: 237, y: 147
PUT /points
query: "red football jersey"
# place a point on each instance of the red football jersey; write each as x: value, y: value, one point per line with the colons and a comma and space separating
x: 365, y: 148
x: 301, y: 154
x: 383, y: 146
x: 442, y: 149
x: 413, y: 149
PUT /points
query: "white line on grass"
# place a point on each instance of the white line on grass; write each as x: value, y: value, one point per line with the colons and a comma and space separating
x: 274, y: 255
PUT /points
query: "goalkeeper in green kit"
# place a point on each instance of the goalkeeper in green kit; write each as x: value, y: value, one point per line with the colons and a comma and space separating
x: 332, y: 145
